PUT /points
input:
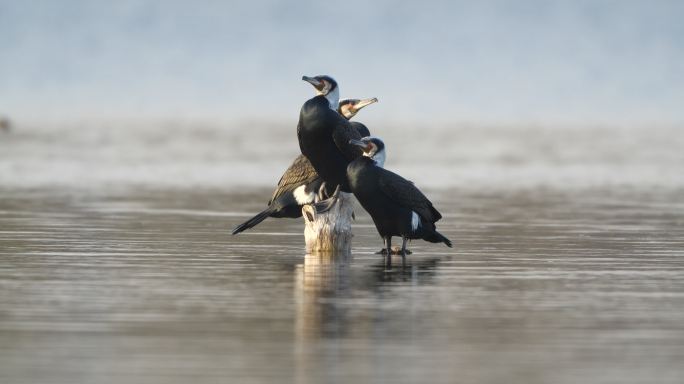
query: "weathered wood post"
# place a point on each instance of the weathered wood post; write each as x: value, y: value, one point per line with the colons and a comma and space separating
x: 329, y: 231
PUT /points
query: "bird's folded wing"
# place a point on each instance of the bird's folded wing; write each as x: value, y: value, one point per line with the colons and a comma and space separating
x: 300, y: 172
x: 404, y: 193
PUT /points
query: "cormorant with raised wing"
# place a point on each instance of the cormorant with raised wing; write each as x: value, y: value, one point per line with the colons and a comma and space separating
x: 396, y: 206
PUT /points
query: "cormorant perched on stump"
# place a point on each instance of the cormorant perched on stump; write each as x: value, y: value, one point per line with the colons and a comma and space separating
x: 300, y: 182
x: 324, y: 134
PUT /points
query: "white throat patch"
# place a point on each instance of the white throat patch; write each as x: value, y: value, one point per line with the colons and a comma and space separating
x: 379, y: 158
x: 334, y: 98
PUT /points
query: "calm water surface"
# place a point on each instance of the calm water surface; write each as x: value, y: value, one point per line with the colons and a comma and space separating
x: 147, y: 286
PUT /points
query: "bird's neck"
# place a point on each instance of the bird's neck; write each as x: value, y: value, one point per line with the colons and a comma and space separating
x: 333, y: 98
x: 379, y: 158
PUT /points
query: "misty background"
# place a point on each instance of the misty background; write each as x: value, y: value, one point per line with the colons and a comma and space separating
x: 472, y: 94
x: 500, y: 61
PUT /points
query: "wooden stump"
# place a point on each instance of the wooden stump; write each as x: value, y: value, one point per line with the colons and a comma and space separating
x: 329, y: 231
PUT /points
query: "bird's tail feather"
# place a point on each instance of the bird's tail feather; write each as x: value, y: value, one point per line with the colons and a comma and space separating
x: 258, y: 218
x: 436, y: 237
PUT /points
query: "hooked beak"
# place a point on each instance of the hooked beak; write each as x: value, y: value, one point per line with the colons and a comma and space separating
x: 364, y: 103
x: 357, y: 143
x: 317, y: 84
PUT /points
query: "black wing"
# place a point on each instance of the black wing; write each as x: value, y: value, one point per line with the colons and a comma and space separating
x: 344, y: 132
x: 300, y: 172
x: 404, y: 193
x: 360, y: 128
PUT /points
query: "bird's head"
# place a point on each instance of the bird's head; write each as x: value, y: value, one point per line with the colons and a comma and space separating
x: 372, y: 147
x: 325, y: 86
x: 350, y: 107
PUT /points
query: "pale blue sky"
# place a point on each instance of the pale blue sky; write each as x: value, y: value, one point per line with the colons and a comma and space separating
x: 557, y: 61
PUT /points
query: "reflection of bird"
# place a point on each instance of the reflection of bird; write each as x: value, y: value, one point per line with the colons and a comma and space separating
x: 421, y: 271
x: 396, y: 206
x: 324, y: 135
x: 300, y: 182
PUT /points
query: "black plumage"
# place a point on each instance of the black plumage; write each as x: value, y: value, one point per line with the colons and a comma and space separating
x: 324, y: 135
x: 396, y: 206
x: 360, y: 128
x: 299, y: 183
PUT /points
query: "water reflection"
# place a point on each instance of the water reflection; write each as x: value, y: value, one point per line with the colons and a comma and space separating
x: 321, y: 279
x: 325, y: 282
x: 151, y: 285
x: 416, y: 269
x: 340, y: 298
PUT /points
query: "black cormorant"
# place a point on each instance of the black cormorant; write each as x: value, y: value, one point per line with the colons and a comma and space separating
x: 324, y: 134
x: 300, y: 182
x: 397, y: 207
